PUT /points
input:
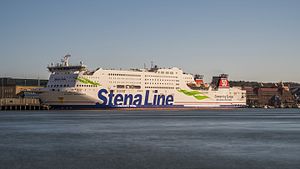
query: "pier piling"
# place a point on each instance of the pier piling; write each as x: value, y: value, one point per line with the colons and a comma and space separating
x: 9, y: 104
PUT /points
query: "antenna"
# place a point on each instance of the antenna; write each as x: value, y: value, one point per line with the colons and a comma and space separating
x: 39, y: 82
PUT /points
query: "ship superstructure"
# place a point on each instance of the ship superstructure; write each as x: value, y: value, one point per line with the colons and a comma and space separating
x: 75, y: 87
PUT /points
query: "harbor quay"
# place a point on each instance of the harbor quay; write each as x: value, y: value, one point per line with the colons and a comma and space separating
x: 21, y: 104
x: 16, y: 94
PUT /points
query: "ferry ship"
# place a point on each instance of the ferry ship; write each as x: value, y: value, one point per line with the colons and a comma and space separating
x: 76, y: 87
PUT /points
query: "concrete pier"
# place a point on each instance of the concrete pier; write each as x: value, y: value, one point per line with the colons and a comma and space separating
x: 7, y: 104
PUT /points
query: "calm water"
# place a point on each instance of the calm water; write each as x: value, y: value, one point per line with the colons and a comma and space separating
x: 233, y: 139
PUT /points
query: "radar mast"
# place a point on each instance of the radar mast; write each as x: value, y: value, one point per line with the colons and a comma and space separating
x: 65, y: 60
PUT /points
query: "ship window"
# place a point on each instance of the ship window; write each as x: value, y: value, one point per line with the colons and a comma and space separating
x: 120, y: 86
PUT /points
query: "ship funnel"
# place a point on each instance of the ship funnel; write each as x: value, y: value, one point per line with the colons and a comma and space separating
x: 199, y: 80
x: 223, y: 81
x: 220, y: 81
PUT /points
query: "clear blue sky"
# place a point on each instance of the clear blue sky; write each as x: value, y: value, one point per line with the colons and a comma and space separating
x: 248, y: 39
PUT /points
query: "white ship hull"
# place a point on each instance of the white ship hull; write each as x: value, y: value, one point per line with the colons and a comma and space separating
x: 74, y: 87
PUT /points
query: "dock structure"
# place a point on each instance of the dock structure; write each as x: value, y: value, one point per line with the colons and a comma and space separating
x: 20, y: 104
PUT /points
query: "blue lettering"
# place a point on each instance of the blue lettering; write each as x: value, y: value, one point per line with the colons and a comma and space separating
x: 118, y: 99
x: 101, y: 97
x: 154, y: 100
x: 147, y: 98
x: 110, y: 96
x: 128, y: 97
x: 169, y: 100
x: 161, y: 100
x: 138, y: 99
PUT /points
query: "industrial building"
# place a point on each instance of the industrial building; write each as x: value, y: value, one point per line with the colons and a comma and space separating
x: 14, y: 87
x: 278, y: 95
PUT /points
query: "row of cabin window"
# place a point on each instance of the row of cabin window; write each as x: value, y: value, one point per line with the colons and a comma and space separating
x: 63, y: 78
x: 161, y: 76
x: 161, y: 72
x: 156, y: 87
x: 84, y: 89
x: 124, y: 78
x: 65, y: 81
x: 162, y: 83
x: 116, y: 74
x: 95, y: 77
x: 170, y: 80
x: 58, y: 85
x: 128, y: 87
x: 86, y: 86
x: 126, y: 82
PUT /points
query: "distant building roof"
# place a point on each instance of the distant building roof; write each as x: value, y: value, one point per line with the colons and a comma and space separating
x: 6, y: 81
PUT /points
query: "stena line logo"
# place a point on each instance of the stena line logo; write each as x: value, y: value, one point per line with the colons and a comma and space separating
x: 109, y: 98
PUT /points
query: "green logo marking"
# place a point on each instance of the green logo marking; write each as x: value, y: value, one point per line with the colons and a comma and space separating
x: 87, y: 81
x: 196, y: 94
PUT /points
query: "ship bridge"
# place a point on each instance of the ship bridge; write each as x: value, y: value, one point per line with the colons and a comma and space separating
x: 64, y: 66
